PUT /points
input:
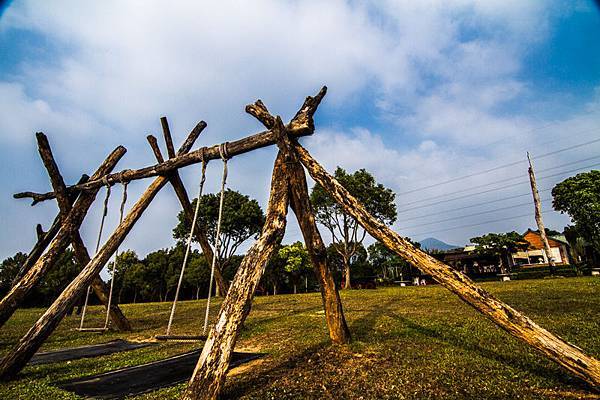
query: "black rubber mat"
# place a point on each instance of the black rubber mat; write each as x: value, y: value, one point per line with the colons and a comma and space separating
x: 95, y: 350
x: 143, y: 378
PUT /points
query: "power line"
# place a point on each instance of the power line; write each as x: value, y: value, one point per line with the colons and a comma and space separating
x: 491, y: 190
x: 501, y: 180
x: 499, y: 167
x: 472, y: 215
x: 473, y: 205
x: 477, y: 224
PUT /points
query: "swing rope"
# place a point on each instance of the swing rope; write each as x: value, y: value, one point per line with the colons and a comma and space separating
x: 104, y: 214
x: 224, y: 156
x: 188, y: 245
x: 114, y: 267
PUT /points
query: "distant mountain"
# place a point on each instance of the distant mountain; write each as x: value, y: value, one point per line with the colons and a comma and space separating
x: 435, y: 244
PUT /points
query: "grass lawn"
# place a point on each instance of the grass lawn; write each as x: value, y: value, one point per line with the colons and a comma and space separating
x: 412, y: 342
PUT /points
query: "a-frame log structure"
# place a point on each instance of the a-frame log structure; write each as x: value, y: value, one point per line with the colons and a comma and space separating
x: 288, y: 186
x: 81, y: 253
x: 71, y: 218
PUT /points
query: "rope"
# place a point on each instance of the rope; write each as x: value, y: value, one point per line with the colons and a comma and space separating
x: 112, y: 279
x: 104, y: 214
x: 188, y: 245
x: 224, y: 156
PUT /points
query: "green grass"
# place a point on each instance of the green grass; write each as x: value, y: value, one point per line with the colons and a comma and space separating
x: 412, y: 342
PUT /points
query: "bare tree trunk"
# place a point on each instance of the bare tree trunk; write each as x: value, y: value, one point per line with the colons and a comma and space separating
x: 71, y: 223
x: 209, y: 375
x: 570, y: 357
x: 347, y: 282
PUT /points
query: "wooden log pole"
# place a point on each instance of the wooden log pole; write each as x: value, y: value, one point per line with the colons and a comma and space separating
x: 332, y: 304
x: 71, y: 223
x: 537, y: 204
x: 300, y: 204
x: 209, y: 374
x: 81, y: 253
x: 18, y: 357
x: 514, y: 322
x: 299, y: 127
x: 188, y: 211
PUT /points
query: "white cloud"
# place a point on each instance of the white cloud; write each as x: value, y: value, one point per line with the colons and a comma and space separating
x: 438, y: 72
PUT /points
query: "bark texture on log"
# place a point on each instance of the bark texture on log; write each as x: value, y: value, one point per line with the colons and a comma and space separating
x: 18, y: 357
x: 71, y: 223
x: 570, y: 357
x: 188, y: 211
x: 298, y: 127
x: 300, y: 203
x: 209, y: 374
x: 81, y: 252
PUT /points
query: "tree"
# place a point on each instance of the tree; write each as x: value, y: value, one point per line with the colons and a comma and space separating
x: 579, y: 196
x: 345, y: 232
x: 296, y: 261
x: 500, y: 245
x: 8, y: 270
x: 387, y: 263
x: 242, y: 219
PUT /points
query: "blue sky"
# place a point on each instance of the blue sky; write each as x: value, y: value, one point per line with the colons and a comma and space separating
x: 420, y: 93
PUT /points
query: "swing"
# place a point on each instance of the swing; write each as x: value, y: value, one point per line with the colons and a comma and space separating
x: 112, y: 281
x: 168, y: 335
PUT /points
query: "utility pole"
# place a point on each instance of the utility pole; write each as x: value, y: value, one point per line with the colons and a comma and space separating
x: 538, y: 216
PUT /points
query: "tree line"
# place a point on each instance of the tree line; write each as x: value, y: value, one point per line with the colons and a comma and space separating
x: 155, y: 276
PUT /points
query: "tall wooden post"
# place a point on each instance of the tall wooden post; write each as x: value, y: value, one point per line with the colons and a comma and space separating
x: 18, y: 357
x: 209, y: 374
x: 555, y: 348
x: 81, y: 252
x: 71, y: 223
x: 537, y: 203
x: 300, y: 203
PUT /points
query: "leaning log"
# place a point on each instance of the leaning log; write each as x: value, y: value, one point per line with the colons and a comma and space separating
x: 300, y: 203
x: 44, y: 241
x: 209, y: 374
x: 188, y: 211
x: 81, y: 253
x: 71, y: 223
x: 298, y: 127
x: 514, y: 322
x: 18, y: 357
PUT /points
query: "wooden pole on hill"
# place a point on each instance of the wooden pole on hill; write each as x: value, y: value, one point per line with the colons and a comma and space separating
x: 567, y: 355
x: 81, y: 252
x: 71, y: 223
x: 537, y: 203
x: 18, y: 357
